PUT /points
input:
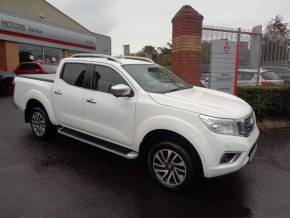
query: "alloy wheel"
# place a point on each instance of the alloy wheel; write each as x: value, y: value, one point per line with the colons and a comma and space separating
x: 169, y: 167
x: 38, y: 123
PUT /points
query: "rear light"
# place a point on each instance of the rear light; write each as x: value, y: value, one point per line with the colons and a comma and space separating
x: 266, y: 83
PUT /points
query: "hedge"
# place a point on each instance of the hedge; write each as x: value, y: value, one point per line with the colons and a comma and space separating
x: 267, y: 102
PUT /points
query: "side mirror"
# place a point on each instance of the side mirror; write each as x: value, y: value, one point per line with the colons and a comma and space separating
x: 121, y: 90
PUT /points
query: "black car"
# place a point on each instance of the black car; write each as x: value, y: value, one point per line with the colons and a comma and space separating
x: 6, y: 80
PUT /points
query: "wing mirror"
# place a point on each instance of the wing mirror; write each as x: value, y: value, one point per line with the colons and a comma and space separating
x: 122, y: 90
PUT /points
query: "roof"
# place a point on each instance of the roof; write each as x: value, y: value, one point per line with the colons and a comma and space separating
x: 109, y: 59
x: 105, y: 60
x: 43, y: 12
x: 187, y: 12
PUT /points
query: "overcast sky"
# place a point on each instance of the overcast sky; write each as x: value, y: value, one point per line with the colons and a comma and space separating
x: 148, y: 22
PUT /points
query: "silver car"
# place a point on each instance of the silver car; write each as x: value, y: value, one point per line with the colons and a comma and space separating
x: 248, y: 77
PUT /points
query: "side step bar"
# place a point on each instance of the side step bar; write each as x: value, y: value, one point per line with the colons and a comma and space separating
x: 107, y: 146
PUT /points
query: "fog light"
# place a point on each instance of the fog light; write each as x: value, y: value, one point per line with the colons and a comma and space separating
x: 229, y: 157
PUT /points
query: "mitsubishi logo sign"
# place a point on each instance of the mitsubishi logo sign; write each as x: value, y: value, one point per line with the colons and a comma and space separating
x: 226, y: 47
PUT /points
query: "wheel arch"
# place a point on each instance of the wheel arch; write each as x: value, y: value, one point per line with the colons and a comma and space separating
x: 159, y: 135
x: 34, y: 102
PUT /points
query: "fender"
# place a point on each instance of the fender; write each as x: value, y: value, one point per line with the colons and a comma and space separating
x: 179, y: 126
x: 39, y: 96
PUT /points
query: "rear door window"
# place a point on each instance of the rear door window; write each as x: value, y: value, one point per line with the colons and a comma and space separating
x: 75, y: 74
x: 30, y: 67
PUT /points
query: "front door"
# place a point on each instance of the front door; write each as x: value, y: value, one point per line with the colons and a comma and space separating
x: 106, y: 116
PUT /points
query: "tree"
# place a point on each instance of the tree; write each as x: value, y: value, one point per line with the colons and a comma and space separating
x: 277, y: 30
x: 165, y: 55
x: 161, y: 55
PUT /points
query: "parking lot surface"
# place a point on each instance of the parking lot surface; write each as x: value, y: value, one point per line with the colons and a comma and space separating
x: 66, y: 178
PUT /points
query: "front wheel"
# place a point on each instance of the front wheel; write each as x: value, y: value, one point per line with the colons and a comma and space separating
x: 172, y: 166
x: 40, y: 123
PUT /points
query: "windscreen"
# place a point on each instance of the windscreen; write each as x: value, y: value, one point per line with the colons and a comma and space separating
x: 270, y: 75
x: 155, y: 79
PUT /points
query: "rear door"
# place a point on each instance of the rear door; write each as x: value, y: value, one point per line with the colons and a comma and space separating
x: 68, y: 94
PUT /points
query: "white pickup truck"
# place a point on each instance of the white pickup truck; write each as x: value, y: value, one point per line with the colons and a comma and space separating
x: 134, y: 108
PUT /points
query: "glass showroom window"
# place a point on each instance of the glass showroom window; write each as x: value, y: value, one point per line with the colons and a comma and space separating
x: 30, y: 53
x: 52, y: 55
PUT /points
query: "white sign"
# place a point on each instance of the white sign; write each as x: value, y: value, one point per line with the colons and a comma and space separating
x: 24, y: 30
x: 222, y: 65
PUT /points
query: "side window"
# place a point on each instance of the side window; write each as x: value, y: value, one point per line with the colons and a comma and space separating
x: 105, y: 78
x: 74, y: 74
x: 23, y: 67
x: 36, y: 67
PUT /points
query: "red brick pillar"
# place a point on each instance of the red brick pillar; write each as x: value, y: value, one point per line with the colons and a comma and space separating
x: 186, y: 44
x: 9, y: 56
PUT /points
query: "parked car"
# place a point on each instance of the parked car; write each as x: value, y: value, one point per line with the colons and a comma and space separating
x: 283, y: 71
x: 248, y: 77
x: 134, y: 108
x: 36, y: 68
x: 6, y: 80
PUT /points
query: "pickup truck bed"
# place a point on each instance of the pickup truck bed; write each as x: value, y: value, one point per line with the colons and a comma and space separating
x: 45, y: 77
x: 33, y: 85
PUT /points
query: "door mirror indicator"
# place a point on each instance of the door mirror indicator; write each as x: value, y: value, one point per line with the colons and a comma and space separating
x: 122, y: 90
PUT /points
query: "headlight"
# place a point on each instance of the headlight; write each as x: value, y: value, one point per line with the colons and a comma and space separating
x: 220, y: 126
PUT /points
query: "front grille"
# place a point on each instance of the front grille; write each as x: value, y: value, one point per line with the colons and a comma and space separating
x: 246, y: 125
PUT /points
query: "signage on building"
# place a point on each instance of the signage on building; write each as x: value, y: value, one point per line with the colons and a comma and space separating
x: 222, y: 65
x: 23, y: 30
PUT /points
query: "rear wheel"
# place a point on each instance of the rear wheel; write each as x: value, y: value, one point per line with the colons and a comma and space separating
x: 40, y: 123
x: 172, y: 166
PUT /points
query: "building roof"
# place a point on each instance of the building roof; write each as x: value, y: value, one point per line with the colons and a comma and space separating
x: 43, y: 11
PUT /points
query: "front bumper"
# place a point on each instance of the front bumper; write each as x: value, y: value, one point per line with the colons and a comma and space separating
x: 220, y: 144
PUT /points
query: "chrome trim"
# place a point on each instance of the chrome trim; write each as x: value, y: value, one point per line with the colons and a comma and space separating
x: 136, y: 58
x: 88, y: 55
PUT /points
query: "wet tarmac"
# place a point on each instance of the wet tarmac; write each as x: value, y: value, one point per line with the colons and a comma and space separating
x: 66, y: 178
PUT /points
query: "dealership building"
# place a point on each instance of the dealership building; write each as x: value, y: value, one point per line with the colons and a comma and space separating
x: 34, y: 30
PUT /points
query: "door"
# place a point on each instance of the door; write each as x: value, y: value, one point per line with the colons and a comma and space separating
x: 68, y: 94
x: 106, y: 116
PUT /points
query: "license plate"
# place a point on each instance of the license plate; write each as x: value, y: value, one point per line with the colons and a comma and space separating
x: 252, y: 152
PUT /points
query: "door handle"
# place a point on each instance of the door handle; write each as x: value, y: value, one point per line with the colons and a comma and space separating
x: 91, y: 100
x: 58, y: 92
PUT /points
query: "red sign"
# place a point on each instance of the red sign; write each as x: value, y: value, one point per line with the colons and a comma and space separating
x: 227, y: 47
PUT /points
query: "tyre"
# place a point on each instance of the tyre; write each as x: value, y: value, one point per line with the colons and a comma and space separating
x: 40, y: 123
x: 172, y: 166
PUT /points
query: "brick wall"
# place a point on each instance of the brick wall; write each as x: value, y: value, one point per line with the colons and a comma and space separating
x: 68, y: 53
x: 186, y: 44
x: 3, y: 64
x: 9, y: 56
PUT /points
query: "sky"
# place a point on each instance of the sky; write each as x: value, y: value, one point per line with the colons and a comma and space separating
x: 148, y: 22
